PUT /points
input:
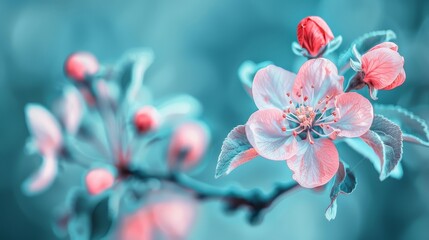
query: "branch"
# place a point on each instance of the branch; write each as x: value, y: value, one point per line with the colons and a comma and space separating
x: 255, y: 200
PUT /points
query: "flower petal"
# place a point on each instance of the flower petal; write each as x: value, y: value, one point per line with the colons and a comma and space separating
x: 316, y: 79
x: 43, y: 178
x: 270, y: 87
x: 355, y: 114
x: 265, y: 134
x: 389, y: 45
x: 44, y: 128
x: 398, y: 81
x: 315, y: 164
x: 381, y: 67
x: 71, y: 109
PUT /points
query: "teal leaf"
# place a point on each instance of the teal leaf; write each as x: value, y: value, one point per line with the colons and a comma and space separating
x: 247, y: 71
x: 300, y: 51
x: 382, y: 145
x: 365, y: 150
x: 344, y: 182
x: 397, y: 172
x: 91, y: 216
x: 236, y: 150
x: 333, y: 45
x: 79, y: 227
x: 364, y: 43
x: 101, y: 219
x: 131, y: 69
x: 414, y: 129
x: 142, y: 59
x: 180, y: 107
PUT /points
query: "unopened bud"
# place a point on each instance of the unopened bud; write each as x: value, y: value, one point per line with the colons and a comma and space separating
x: 80, y: 65
x: 146, y: 119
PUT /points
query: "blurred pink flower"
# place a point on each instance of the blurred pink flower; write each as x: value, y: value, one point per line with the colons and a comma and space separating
x: 299, y: 115
x: 137, y: 226
x: 47, y: 138
x: 188, y: 144
x: 99, y: 180
x: 314, y: 34
x: 171, y: 215
x: 383, y: 67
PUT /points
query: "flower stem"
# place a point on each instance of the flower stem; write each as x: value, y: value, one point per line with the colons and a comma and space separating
x: 256, y: 201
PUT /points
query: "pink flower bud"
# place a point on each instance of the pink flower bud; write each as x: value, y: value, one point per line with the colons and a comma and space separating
x: 188, y: 144
x: 314, y: 34
x: 383, y: 67
x: 146, y: 119
x: 79, y: 65
x: 98, y: 180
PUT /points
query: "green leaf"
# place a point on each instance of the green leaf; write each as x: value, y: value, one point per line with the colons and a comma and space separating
x: 344, y: 182
x: 364, y: 43
x: 247, y: 71
x: 414, y: 129
x: 236, y: 150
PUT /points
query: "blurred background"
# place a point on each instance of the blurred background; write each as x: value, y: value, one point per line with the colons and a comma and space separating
x: 198, y: 47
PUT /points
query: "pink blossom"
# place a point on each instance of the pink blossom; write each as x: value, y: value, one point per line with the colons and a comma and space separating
x: 47, y: 139
x: 99, y: 180
x: 175, y: 217
x: 169, y: 214
x: 71, y: 109
x: 314, y: 34
x: 137, y: 226
x: 188, y: 144
x: 299, y: 115
x: 383, y: 67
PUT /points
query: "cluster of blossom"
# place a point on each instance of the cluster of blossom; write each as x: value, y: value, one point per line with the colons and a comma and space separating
x: 302, y: 116
x: 106, y: 122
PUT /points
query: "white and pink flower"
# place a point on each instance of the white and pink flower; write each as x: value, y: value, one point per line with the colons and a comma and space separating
x: 47, y: 136
x: 299, y: 116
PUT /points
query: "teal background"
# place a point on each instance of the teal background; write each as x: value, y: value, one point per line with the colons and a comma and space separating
x: 198, y: 47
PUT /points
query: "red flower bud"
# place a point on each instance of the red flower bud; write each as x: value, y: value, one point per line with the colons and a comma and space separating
x: 188, y: 144
x: 79, y: 65
x: 146, y: 119
x: 314, y: 34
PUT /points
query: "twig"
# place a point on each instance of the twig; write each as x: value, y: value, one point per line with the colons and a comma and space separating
x: 255, y: 200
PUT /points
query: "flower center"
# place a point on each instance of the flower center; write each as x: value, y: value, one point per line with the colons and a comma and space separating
x: 308, y: 122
